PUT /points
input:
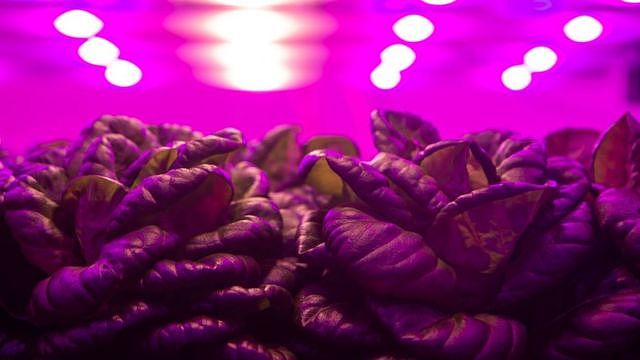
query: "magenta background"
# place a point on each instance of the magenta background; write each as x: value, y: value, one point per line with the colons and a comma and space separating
x: 47, y: 92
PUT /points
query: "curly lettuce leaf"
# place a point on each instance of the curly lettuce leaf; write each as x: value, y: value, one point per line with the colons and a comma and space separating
x: 278, y: 154
x: 521, y: 160
x: 385, y: 259
x: 210, y: 149
x: 249, y: 181
x: 90, y: 200
x: 187, y: 201
x: 576, y: 144
x: 431, y: 334
x: 401, y: 134
x: 341, y: 144
x: 457, y: 166
x: 617, y: 157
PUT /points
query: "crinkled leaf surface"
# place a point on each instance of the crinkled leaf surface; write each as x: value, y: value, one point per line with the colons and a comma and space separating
x: 385, y: 259
x: 431, y: 334
x: 401, y: 134
x: 90, y: 200
x: 249, y: 181
x: 477, y: 234
x: 254, y: 229
x: 489, y: 140
x: 618, y: 213
x: 278, y: 154
x: 158, y: 162
x: 347, y: 179
x: 73, y: 293
x: 109, y: 155
x: 617, y: 157
x: 521, y: 160
x: 188, y: 201
x: 341, y: 144
x: 457, y: 166
x: 327, y: 316
x: 576, y: 144
x: 210, y: 149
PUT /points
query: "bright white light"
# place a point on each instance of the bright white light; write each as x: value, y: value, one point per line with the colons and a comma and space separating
x: 583, y: 29
x: 252, y: 25
x: 398, y: 57
x: 259, y: 78
x: 413, y: 28
x: 632, y: 1
x: 439, y: 2
x: 385, y: 77
x: 123, y: 73
x: 78, y: 24
x: 98, y: 51
x: 516, y: 77
x: 540, y: 59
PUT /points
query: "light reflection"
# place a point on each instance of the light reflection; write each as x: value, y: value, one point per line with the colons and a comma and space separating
x: 78, y: 24
x: 252, y: 3
x: 123, y: 73
x: 98, y: 51
x: 255, y: 49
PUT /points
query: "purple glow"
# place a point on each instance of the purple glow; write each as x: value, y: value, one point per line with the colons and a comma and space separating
x: 439, y: 2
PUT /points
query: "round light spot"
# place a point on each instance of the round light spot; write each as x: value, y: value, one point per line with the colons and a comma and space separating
x: 78, y: 24
x: 413, y: 28
x: 385, y: 78
x: 632, y: 1
x: 516, y: 77
x: 439, y: 2
x: 123, y: 73
x: 98, y: 51
x: 398, y: 57
x: 583, y: 29
x: 540, y: 59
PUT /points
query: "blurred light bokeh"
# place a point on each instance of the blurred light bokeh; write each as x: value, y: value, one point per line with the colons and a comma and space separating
x: 529, y: 65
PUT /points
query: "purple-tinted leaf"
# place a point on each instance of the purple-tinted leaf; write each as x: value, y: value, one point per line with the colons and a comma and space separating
x: 187, y: 201
x: 17, y: 275
x: 153, y: 162
x: 175, y: 336
x: 311, y: 246
x: 97, y: 332
x: 51, y: 153
x: 303, y: 195
x: 341, y: 144
x: 30, y: 206
x: 130, y: 128
x: 90, y: 200
x: 249, y: 181
x: 576, y: 144
x: 251, y: 350
x: 210, y: 149
x: 457, y: 166
x: 617, y: 155
x: 74, y: 292
x: 167, y: 134
x: 572, y: 184
x: 605, y: 327
x: 254, y: 229
x: 286, y: 273
x: 431, y: 334
x: 109, y: 155
x: 521, y: 160
x: 419, y: 191
x: 212, y: 272
x: 401, y: 134
x: 477, y: 234
x: 347, y: 179
x: 278, y: 154
x: 618, y: 213
x: 385, y: 259
x: 330, y: 318
x: 489, y: 140
x: 240, y: 301
x: 547, y: 257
